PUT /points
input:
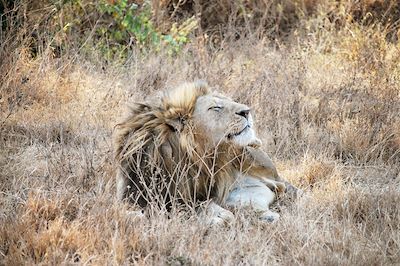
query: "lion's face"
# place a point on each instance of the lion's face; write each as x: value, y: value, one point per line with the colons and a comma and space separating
x: 224, y: 121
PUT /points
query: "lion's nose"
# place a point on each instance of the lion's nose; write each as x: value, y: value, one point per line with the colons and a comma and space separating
x: 244, y: 113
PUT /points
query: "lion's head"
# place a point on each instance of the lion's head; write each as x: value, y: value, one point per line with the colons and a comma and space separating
x: 190, y: 143
x: 217, y: 119
x: 222, y: 120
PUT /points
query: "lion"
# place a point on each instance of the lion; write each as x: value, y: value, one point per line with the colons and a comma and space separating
x: 199, y: 148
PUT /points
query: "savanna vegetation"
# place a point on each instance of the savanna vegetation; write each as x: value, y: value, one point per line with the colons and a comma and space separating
x: 323, y: 78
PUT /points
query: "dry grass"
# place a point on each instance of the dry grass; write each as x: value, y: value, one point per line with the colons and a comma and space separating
x: 327, y: 108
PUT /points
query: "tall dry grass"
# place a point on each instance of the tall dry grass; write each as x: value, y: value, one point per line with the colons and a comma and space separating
x: 327, y: 100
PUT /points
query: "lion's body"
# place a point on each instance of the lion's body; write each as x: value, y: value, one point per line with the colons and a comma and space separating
x: 166, y: 152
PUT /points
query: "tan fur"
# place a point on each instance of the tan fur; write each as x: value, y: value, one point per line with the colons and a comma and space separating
x: 163, y: 154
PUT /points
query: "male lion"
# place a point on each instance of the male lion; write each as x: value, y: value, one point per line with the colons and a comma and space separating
x: 195, y: 146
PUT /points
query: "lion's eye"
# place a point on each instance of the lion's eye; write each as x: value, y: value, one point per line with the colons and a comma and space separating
x: 215, y: 108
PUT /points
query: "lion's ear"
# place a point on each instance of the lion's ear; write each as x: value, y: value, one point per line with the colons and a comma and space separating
x: 176, y: 124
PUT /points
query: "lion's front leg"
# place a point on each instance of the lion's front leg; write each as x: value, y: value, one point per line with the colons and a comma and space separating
x: 253, y: 193
x: 261, y: 166
x: 275, y: 186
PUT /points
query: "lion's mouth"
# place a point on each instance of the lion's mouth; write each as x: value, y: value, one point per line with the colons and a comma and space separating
x: 231, y: 135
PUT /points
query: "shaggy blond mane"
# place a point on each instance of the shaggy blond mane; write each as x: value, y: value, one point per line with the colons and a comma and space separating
x: 156, y: 147
x: 146, y: 122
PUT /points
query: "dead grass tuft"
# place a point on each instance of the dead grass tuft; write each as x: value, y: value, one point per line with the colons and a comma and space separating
x: 317, y: 172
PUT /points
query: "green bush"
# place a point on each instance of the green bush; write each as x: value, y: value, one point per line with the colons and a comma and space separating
x: 132, y: 25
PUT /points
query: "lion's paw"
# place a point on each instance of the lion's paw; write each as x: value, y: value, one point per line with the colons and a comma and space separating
x: 269, y: 216
x: 216, y: 215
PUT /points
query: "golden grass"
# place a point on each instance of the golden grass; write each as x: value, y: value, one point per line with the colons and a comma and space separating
x: 327, y: 109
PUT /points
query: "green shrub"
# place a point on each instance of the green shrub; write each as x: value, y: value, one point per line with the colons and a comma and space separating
x: 132, y: 25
